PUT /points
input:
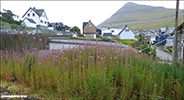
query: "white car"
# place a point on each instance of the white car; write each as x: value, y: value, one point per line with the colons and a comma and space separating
x: 33, y: 32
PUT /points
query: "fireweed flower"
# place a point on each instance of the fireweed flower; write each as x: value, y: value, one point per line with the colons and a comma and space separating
x: 34, y: 38
x: 80, y: 51
x: 40, y: 39
x: 82, y: 65
x: 150, y: 65
x: 47, y: 46
x: 65, y: 57
x: 155, y: 84
x: 101, y: 58
x: 89, y: 47
x: 106, y: 53
x: 115, y: 57
x: 98, y: 56
x: 79, y: 55
x: 110, y: 57
x: 40, y: 63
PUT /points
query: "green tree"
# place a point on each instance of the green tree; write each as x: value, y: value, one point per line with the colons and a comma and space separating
x: 8, y: 14
x: 75, y: 29
x: 147, y: 48
x: 66, y: 27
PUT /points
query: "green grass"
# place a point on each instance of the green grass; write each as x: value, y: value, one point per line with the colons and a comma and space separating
x: 127, y: 42
x: 92, y: 72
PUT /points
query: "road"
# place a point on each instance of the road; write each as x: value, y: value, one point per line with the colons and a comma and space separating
x: 163, y: 55
x: 74, y: 41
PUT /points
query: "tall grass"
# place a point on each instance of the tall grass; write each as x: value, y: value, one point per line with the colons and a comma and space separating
x: 93, y: 72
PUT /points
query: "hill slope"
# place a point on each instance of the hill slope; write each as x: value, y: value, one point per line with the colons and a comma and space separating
x: 143, y: 17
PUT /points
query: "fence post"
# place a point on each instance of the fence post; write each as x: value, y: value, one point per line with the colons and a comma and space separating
x: 18, y: 28
x: 36, y: 29
x: 25, y: 30
x: 9, y: 27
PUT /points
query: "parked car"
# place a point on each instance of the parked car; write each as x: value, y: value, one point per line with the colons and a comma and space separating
x: 33, y: 32
x: 20, y: 32
x: 5, y: 31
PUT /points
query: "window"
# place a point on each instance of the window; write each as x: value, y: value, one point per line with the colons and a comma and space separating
x: 112, y: 30
x: 45, y: 22
x: 28, y: 14
x: 30, y: 10
x: 89, y: 25
x: 126, y: 30
x: 41, y: 21
x: 33, y: 14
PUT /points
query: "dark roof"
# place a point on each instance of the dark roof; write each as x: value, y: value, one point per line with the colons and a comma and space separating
x: 30, y: 20
x: 107, y: 34
x: 49, y: 24
x: 84, y: 24
x: 124, y: 29
x: 37, y: 11
x: 60, y: 24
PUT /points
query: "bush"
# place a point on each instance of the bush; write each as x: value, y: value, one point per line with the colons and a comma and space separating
x: 106, y: 39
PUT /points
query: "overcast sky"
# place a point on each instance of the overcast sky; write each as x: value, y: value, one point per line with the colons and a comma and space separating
x: 74, y: 13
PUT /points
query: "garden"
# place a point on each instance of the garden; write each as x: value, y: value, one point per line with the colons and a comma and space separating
x: 91, y: 72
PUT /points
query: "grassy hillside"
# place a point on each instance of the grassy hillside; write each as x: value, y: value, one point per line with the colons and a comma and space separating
x: 143, y: 17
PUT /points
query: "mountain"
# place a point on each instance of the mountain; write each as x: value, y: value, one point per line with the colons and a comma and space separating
x: 143, y: 17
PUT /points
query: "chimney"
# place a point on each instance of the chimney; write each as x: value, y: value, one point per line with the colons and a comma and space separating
x: 33, y: 7
x: 125, y: 25
x: 89, y: 20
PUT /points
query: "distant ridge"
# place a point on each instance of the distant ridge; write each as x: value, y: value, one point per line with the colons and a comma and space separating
x: 142, y: 17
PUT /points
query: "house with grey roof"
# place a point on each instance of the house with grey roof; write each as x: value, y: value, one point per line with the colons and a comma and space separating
x: 118, y: 33
x: 89, y: 29
x: 34, y: 16
x: 59, y: 26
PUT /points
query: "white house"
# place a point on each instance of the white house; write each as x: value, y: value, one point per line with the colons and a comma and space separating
x: 123, y: 34
x: 126, y: 34
x: 37, y: 15
x: 17, y: 18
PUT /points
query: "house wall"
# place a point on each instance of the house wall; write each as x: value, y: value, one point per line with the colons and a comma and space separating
x: 169, y: 42
x: 109, y: 30
x: 127, y: 35
x: 35, y: 17
x: 180, y: 42
x: 90, y: 35
x: 44, y: 19
x: 28, y: 24
x: 89, y: 30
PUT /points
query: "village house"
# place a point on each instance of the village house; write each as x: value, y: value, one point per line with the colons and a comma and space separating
x: 180, y: 44
x: 118, y: 33
x: 59, y: 26
x: 89, y: 29
x: 163, y: 34
x: 35, y: 18
x: 16, y: 18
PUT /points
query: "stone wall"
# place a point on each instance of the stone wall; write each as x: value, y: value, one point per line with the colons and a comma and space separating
x: 18, y: 42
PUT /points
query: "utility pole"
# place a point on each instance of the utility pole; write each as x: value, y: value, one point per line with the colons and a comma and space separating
x: 176, y: 32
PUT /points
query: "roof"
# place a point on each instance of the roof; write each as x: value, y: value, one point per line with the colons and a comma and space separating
x: 37, y: 11
x: 30, y: 20
x: 169, y: 30
x: 56, y: 24
x: 84, y: 24
x: 107, y: 34
x: 124, y: 29
x: 163, y: 29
